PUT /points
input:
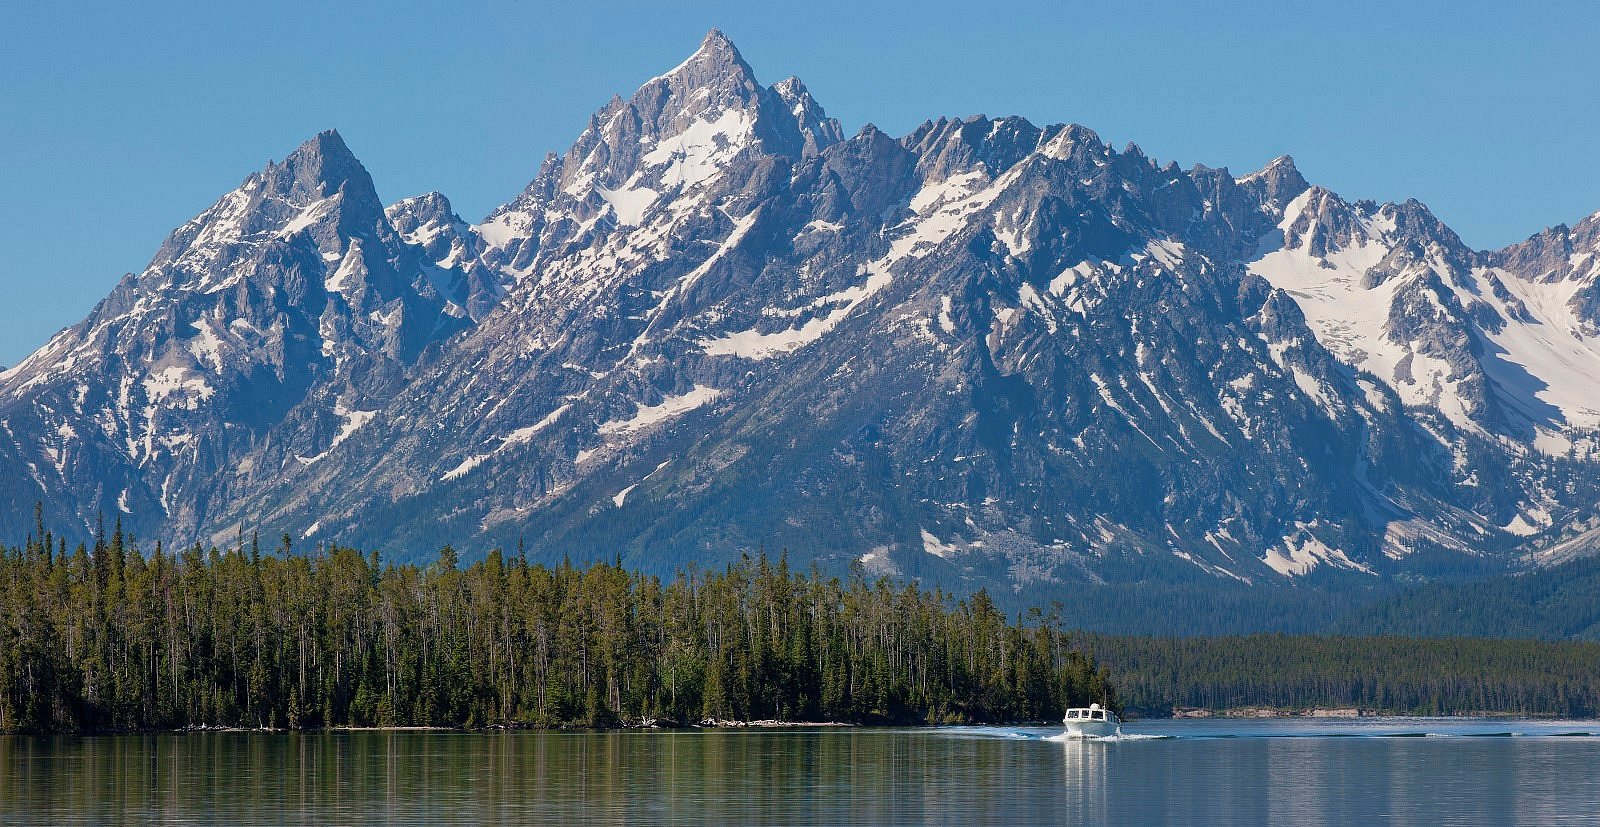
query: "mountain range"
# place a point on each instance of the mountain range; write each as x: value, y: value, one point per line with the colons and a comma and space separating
x: 984, y: 352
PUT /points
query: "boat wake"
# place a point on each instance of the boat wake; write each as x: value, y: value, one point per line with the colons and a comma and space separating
x: 1056, y: 737
x: 1109, y: 739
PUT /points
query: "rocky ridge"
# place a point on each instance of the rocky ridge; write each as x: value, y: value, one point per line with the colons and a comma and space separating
x: 985, y: 351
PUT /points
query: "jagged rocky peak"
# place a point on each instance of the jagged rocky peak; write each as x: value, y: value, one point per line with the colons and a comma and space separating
x: 277, y: 319
x: 301, y: 189
x: 1560, y: 253
x: 716, y: 72
x: 1275, y: 184
x: 1566, y: 260
x: 429, y: 222
x: 712, y: 98
x: 1586, y: 238
x: 1412, y: 219
x: 219, y: 283
x: 1324, y: 224
x: 453, y: 248
x: 1319, y: 220
x: 863, y: 175
x: 817, y: 130
x: 1072, y: 142
x: 1545, y: 256
x: 430, y: 208
x: 320, y: 190
x: 951, y: 146
x: 332, y: 194
x: 321, y: 166
x: 302, y: 251
x: 704, y: 126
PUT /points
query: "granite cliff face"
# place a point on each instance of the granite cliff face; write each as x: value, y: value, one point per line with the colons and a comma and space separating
x: 985, y: 351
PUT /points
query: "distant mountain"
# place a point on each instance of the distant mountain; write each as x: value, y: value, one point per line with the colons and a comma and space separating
x: 985, y: 352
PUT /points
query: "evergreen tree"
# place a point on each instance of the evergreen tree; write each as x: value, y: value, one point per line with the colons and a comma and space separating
x: 328, y: 636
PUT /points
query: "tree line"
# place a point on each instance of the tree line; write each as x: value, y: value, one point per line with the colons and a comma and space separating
x: 1396, y: 675
x: 1557, y: 603
x: 109, y: 637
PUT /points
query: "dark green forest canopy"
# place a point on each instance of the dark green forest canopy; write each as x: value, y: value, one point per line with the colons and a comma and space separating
x: 109, y: 638
x: 106, y: 637
x: 1557, y: 603
x: 1396, y: 675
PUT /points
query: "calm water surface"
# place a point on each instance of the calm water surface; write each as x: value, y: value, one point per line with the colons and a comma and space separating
x: 1190, y: 772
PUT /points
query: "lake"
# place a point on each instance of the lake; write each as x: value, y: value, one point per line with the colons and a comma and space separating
x: 1285, y: 771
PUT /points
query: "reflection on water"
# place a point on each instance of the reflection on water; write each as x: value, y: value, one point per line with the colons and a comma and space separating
x: 811, y: 776
x: 1083, y: 766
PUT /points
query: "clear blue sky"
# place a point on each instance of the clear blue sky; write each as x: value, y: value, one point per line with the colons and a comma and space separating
x: 120, y: 121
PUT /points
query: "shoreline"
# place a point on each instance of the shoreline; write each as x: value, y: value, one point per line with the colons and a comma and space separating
x: 709, y: 725
x: 1326, y: 713
x: 632, y: 726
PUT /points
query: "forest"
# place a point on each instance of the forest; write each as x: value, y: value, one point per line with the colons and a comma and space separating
x: 110, y: 637
x: 1561, y: 602
x: 1385, y: 674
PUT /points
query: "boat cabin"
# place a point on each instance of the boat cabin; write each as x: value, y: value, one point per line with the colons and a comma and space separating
x: 1086, y: 714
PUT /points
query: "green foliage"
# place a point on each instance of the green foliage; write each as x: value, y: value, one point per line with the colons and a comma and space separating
x: 1206, y: 607
x: 111, y: 639
x: 1561, y: 602
x: 1443, y: 676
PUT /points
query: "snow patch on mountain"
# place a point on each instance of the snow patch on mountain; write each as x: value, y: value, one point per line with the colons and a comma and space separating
x: 1545, y: 359
x: 501, y: 229
x: 350, y: 271
x: 671, y: 407
x: 177, y: 381
x: 309, y: 215
x: 1303, y: 551
x: 1358, y: 275
x: 354, y: 420
x: 933, y: 546
x: 629, y: 204
x: 754, y: 345
x: 938, y: 212
x: 521, y: 435
x: 1351, y: 318
x: 702, y: 150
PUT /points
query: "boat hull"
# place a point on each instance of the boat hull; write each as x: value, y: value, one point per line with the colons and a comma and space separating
x: 1091, y: 729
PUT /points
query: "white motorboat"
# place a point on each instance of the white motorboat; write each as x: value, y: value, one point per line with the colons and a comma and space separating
x: 1093, y: 721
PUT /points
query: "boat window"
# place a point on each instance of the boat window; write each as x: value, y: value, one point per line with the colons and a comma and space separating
x: 1098, y: 716
x: 1072, y: 713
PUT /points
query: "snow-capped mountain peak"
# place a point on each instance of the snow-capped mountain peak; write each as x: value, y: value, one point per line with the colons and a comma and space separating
x: 662, y: 149
x: 715, y: 71
x: 290, y: 299
x: 982, y: 351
